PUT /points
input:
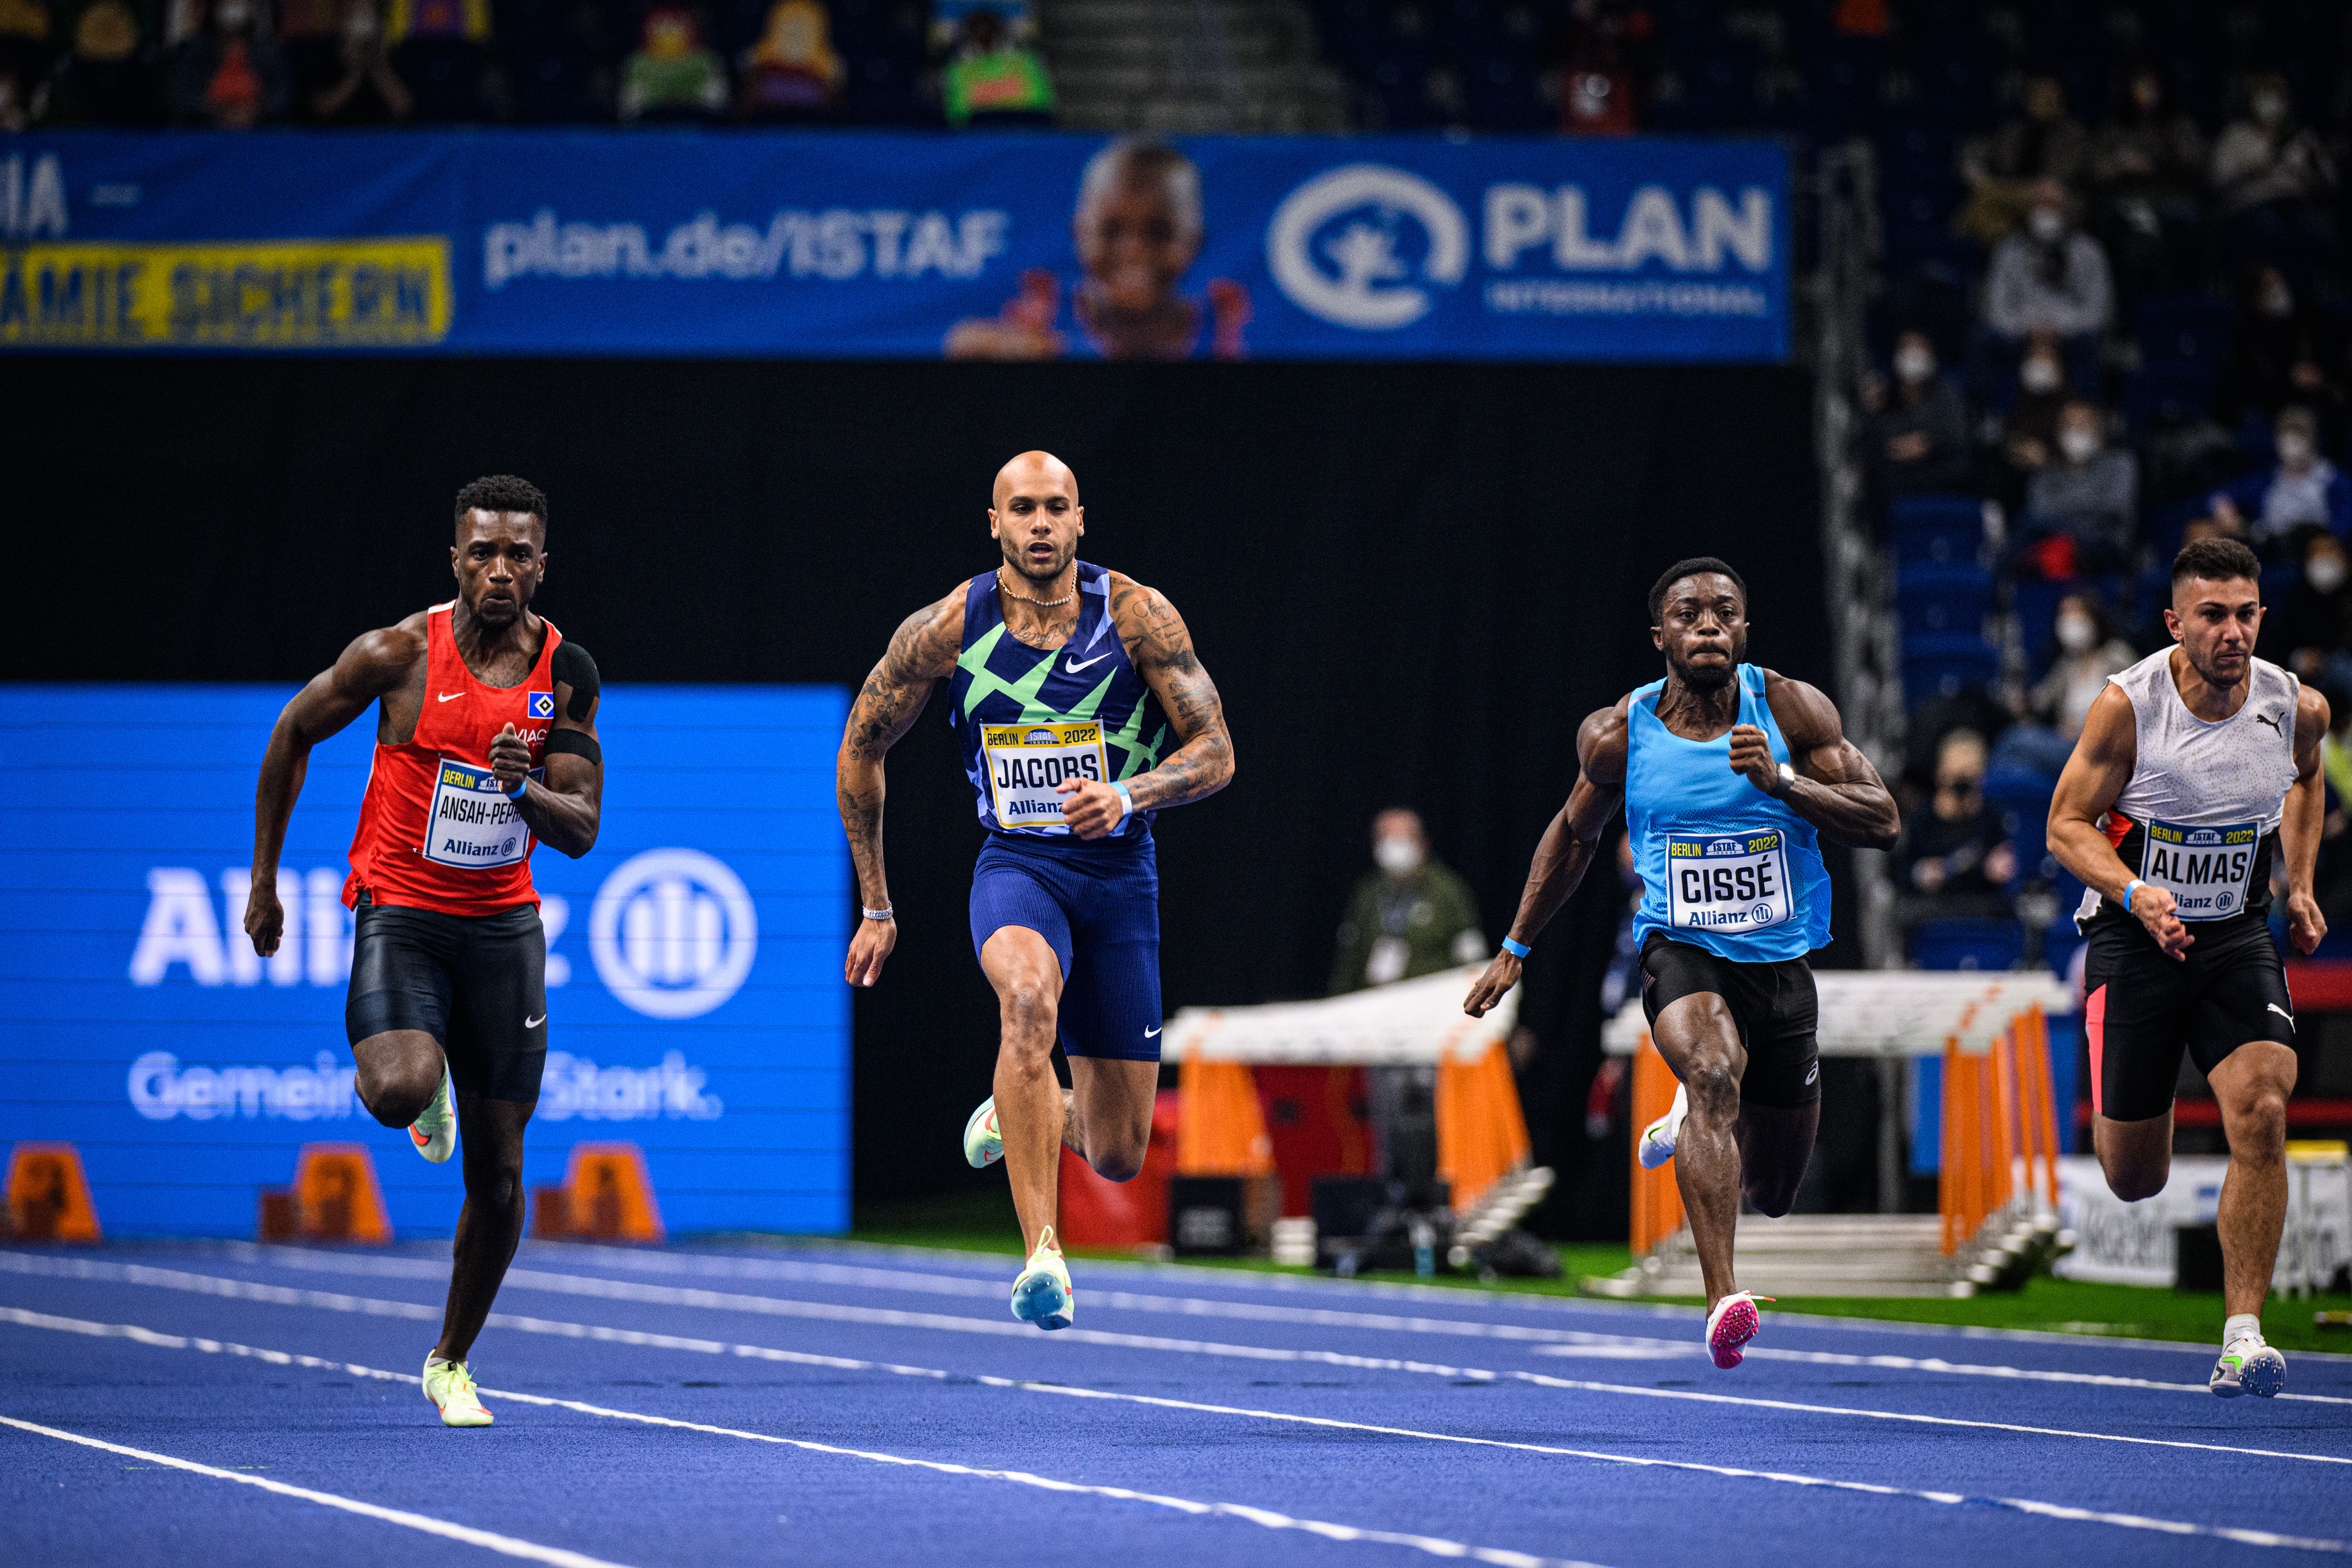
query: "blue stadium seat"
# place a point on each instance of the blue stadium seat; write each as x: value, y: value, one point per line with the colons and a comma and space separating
x: 2181, y: 328
x: 1933, y: 596
x: 1966, y: 943
x: 1942, y: 662
x: 2173, y: 393
x: 2022, y: 798
x: 1936, y: 525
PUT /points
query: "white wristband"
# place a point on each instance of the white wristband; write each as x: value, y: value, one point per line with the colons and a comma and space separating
x: 1126, y: 802
x: 881, y: 914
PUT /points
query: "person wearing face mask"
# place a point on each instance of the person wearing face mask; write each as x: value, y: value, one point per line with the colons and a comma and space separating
x: 2301, y: 490
x: 2148, y: 169
x: 2045, y: 142
x: 367, y: 91
x: 2019, y: 443
x: 2310, y: 634
x: 1955, y: 861
x: 2089, y: 494
x: 2263, y: 159
x: 1412, y: 916
x: 229, y: 75
x: 2051, y: 277
x: 2281, y: 351
x: 2088, y: 652
x: 1916, y: 438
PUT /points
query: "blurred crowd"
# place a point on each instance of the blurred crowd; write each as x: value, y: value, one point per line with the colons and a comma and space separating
x: 2114, y: 318
x: 234, y: 65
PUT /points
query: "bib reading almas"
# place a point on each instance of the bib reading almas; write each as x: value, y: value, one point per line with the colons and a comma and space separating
x: 1028, y: 719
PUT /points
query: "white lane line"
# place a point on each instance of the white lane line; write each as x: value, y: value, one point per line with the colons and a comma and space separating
x: 491, y: 1539
x: 669, y: 1295
x: 1269, y: 1519
x: 762, y: 1353
x: 1549, y: 1341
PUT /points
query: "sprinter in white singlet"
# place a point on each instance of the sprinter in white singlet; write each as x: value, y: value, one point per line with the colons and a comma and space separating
x: 2192, y: 765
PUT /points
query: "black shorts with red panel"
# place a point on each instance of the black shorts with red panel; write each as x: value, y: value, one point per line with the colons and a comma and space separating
x: 2142, y: 1009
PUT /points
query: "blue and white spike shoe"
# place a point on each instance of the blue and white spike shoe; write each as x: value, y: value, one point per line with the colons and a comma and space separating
x: 2249, y: 1367
x: 1043, y: 1295
x: 983, y: 1141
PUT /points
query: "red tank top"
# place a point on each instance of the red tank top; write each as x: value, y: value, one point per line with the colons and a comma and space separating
x: 436, y: 830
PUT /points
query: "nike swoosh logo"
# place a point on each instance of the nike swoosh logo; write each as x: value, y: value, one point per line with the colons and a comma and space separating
x: 1150, y: 1032
x: 1075, y: 666
x: 451, y: 696
x: 534, y: 1023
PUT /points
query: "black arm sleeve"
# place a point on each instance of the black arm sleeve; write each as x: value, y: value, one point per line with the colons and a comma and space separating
x: 574, y: 668
x: 578, y: 742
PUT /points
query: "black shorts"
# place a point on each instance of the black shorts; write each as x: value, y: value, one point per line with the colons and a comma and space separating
x: 476, y: 983
x: 1774, y: 1005
x: 2140, y: 1008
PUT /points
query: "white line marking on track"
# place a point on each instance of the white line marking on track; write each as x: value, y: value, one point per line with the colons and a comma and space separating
x: 763, y: 1353
x: 1268, y: 1519
x: 491, y: 1539
x: 1549, y: 1342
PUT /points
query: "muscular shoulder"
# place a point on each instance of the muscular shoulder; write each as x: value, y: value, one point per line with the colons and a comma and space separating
x: 1601, y: 742
x: 1147, y: 623
x: 387, y: 655
x: 926, y: 644
x: 1804, y: 712
x: 2312, y: 717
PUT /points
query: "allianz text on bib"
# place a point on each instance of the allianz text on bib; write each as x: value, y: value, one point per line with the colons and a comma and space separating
x: 1027, y: 762
x: 1726, y: 882
x: 472, y: 823
x: 2205, y: 869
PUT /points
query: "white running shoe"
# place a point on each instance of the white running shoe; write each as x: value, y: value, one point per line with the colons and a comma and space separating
x: 1731, y: 1325
x: 1657, y: 1144
x: 983, y: 1141
x: 1042, y: 1296
x: 435, y: 1130
x: 450, y: 1386
x: 2249, y: 1367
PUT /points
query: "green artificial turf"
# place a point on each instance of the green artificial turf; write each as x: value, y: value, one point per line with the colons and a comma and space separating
x: 983, y: 1222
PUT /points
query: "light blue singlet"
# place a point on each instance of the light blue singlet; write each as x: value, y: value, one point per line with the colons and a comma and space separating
x: 1723, y: 866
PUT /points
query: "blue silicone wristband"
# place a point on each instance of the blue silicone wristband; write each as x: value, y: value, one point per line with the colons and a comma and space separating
x: 519, y: 790
x: 2134, y: 885
x: 1515, y: 949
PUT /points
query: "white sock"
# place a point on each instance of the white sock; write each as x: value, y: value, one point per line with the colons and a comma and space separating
x: 2240, y: 1325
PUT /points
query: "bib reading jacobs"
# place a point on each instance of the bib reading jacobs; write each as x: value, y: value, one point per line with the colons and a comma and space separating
x: 472, y: 823
x: 2205, y: 869
x: 1027, y: 761
x: 1726, y: 882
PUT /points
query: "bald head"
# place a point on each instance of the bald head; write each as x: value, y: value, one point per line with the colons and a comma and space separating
x: 1036, y: 518
x: 1037, y: 474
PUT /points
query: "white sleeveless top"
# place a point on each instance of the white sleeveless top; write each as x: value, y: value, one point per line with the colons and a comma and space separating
x: 2198, y: 815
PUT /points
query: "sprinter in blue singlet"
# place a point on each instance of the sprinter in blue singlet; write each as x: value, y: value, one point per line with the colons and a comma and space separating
x: 1082, y: 712
x: 1728, y: 772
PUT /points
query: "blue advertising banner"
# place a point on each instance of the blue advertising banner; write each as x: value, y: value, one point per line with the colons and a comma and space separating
x: 693, y: 969
x: 843, y: 245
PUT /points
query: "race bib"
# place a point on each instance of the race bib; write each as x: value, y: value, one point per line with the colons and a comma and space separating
x: 2206, y: 870
x: 1026, y: 761
x: 472, y: 823
x: 1726, y: 882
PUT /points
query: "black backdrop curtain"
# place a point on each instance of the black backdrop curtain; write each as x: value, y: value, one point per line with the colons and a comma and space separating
x: 1411, y: 582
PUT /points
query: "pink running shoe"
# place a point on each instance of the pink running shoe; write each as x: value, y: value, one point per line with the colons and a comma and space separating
x: 1731, y: 1325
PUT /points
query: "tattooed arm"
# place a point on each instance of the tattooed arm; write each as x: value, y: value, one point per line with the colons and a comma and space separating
x: 1160, y: 649
x: 922, y: 651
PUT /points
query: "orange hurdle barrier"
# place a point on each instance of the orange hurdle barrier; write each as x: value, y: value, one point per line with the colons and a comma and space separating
x: 336, y: 1197
x: 1482, y: 1134
x: 48, y: 1196
x: 1658, y: 1201
x: 1219, y: 1125
x: 607, y: 1196
x: 2001, y: 1129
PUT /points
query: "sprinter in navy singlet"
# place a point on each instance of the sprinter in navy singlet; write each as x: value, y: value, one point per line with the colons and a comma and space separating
x: 1729, y: 774
x: 1081, y: 710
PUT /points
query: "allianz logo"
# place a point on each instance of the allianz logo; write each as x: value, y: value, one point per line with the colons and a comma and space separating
x: 672, y: 932
x: 184, y: 930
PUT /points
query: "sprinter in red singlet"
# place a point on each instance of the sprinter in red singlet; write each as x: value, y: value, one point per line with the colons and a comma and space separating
x: 486, y: 745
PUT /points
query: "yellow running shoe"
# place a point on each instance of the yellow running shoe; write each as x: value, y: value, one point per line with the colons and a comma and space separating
x: 435, y: 1130
x: 1042, y: 1296
x: 450, y: 1386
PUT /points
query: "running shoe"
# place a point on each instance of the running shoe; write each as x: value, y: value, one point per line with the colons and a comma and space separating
x: 1657, y: 1144
x: 2249, y: 1367
x: 450, y: 1386
x: 435, y: 1131
x: 1731, y: 1325
x: 983, y: 1141
x: 1042, y: 1296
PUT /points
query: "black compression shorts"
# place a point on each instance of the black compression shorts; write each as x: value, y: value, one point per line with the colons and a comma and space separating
x: 1774, y: 1005
x: 2141, y: 1009
x: 476, y: 983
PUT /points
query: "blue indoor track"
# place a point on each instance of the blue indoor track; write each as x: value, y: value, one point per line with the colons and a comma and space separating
x: 222, y: 1403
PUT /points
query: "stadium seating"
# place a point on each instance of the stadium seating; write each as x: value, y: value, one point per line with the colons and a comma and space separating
x: 1966, y: 944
